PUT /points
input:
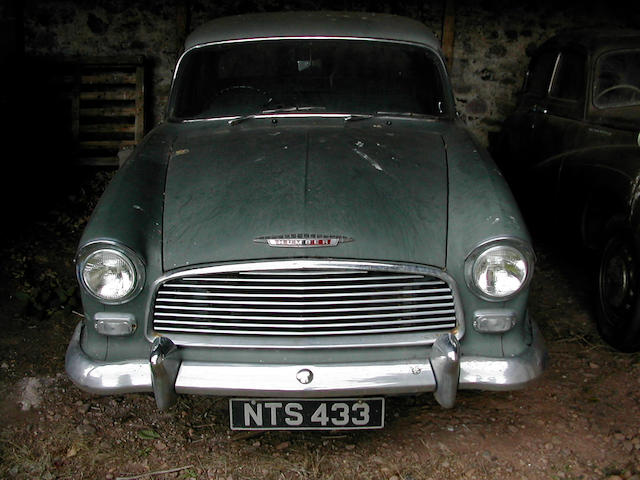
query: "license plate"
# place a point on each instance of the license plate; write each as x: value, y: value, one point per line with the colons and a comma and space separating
x: 306, y: 414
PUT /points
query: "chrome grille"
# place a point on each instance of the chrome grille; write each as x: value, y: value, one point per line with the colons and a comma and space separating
x: 304, y: 302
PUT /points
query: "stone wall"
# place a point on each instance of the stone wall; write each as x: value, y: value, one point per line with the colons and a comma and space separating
x: 493, y: 43
x: 492, y: 38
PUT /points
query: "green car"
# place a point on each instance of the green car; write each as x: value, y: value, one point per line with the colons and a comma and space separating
x: 311, y: 231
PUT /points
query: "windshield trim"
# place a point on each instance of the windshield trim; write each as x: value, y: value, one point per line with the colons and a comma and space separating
x: 345, y: 116
x: 438, y: 59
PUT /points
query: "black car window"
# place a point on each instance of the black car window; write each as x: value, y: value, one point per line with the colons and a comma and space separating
x: 617, y: 79
x: 569, y: 76
x: 539, y: 74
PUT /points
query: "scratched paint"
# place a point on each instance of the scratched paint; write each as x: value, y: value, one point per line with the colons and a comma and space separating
x: 369, y: 159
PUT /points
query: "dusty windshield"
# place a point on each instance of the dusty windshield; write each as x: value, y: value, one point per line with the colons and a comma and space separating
x: 617, y: 80
x: 315, y: 76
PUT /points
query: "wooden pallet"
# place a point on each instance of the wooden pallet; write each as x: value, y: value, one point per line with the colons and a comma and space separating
x: 105, y: 102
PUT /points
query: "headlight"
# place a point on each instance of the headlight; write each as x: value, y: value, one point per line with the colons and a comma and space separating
x: 109, y: 273
x: 499, y: 269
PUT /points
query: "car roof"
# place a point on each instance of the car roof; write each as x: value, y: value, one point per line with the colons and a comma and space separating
x: 313, y: 24
x: 595, y: 39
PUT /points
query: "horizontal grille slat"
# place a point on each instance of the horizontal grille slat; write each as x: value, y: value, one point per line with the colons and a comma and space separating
x: 279, y: 287
x: 304, y: 302
x: 300, y: 310
x: 295, y: 325
x: 303, y: 319
x: 208, y: 301
x: 272, y: 332
x: 303, y: 295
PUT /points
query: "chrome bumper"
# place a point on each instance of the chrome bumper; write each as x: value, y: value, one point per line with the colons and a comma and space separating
x: 444, y: 372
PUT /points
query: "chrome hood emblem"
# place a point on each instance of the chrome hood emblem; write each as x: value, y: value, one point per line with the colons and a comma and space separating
x: 303, y: 240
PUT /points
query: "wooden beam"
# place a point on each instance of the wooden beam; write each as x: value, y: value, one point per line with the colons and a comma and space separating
x: 182, y: 24
x: 448, y: 31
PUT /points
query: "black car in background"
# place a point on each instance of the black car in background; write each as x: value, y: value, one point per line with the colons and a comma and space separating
x: 571, y: 151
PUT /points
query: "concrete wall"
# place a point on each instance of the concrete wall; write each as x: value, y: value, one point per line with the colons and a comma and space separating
x: 492, y: 37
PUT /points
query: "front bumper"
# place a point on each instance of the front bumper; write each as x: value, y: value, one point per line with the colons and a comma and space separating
x: 443, y: 372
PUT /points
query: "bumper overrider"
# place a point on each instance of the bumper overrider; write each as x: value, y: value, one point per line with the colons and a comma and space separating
x: 443, y: 371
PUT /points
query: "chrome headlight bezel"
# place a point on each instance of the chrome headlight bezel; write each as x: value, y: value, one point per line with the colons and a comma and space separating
x: 128, y: 256
x: 522, y: 247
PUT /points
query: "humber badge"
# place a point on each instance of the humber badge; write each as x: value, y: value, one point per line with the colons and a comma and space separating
x: 303, y: 240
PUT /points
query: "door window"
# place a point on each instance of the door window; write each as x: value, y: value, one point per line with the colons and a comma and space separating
x: 569, y: 77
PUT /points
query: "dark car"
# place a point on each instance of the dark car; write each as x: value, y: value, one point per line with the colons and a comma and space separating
x: 571, y: 151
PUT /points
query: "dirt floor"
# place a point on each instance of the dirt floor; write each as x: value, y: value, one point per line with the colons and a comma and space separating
x: 582, y: 420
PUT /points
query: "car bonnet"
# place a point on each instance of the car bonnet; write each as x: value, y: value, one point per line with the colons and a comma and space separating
x: 382, y: 188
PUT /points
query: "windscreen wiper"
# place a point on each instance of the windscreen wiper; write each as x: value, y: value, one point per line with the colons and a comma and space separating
x: 274, y: 111
x: 354, y: 117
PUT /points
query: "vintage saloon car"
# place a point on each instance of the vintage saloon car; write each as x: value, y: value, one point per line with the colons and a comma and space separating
x: 572, y: 147
x: 311, y: 231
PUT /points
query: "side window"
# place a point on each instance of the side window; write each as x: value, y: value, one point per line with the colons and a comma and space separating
x: 539, y: 74
x: 569, y: 77
x: 617, y: 80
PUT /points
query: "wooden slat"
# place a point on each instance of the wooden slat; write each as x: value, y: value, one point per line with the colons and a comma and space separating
x: 139, y: 123
x: 113, y: 144
x: 108, y: 112
x: 107, y: 128
x: 448, y: 31
x: 75, y: 105
x: 109, y: 78
x: 109, y: 95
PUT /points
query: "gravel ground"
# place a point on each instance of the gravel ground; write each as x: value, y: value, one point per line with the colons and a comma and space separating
x: 581, y: 420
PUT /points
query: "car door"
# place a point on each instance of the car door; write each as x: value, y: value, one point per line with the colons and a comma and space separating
x: 516, y: 150
x: 559, y: 118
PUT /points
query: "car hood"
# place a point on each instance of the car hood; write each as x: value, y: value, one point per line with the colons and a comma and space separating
x: 386, y: 189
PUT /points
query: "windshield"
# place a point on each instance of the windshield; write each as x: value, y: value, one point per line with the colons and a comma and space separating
x: 617, y: 80
x: 339, y: 76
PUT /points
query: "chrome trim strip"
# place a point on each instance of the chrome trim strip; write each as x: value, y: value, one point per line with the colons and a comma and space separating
x: 363, y: 286
x: 307, y: 273
x: 304, y: 334
x: 297, y: 295
x: 297, y: 280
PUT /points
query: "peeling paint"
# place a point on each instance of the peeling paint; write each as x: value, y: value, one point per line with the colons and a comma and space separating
x: 371, y: 161
x: 184, y: 151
